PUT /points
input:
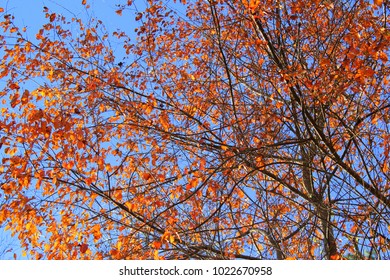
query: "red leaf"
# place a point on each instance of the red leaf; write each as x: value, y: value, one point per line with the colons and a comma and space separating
x: 146, y: 176
x: 138, y: 17
x: 83, y: 248
x: 335, y: 257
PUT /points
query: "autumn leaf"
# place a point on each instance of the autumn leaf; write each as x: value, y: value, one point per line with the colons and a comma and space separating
x: 242, y: 130
x: 157, y: 244
x: 14, y: 86
x: 335, y: 257
x: 146, y: 176
x: 378, y: 2
x: 138, y: 17
x: 15, y: 100
x: 83, y: 248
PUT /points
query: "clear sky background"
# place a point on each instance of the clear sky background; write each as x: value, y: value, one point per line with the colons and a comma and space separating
x: 29, y: 14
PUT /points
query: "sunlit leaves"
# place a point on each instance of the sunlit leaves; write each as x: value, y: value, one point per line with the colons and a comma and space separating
x: 378, y: 2
x: 242, y: 130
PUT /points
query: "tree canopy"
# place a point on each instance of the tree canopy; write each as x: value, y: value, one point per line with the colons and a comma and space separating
x: 218, y: 129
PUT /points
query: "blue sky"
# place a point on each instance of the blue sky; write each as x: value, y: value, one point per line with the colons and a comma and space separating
x: 30, y: 14
x: 33, y: 17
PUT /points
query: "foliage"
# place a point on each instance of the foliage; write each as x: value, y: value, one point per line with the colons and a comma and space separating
x: 242, y: 129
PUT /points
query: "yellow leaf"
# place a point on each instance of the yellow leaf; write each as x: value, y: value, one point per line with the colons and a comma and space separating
x: 172, y: 239
x: 156, y: 254
x: 47, y: 247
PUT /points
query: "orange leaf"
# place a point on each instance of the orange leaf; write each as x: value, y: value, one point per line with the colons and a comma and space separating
x: 88, y: 181
x: 14, y: 86
x: 385, y: 167
x: 96, y: 231
x: 157, y: 244
x: 378, y: 2
x: 335, y: 257
x: 146, y: 176
x: 193, y: 182
x: 15, y: 100
x: 114, y: 253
